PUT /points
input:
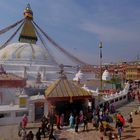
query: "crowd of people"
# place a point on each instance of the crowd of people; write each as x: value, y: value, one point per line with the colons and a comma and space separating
x: 46, y: 127
x: 100, y: 118
x: 133, y: 92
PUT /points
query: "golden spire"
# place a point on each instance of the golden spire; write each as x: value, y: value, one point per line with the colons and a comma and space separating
x: 28, y: 34
x: 28, y: 12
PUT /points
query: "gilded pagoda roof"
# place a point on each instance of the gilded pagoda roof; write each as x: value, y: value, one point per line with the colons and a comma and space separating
x: 63, y: 88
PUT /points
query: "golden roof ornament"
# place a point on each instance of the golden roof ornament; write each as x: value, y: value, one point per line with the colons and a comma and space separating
x: 28, y: 12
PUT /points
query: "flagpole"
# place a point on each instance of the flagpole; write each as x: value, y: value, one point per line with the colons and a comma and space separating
x: 100, y: 47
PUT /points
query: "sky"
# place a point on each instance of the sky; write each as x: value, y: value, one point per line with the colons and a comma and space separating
x: 79, y: 26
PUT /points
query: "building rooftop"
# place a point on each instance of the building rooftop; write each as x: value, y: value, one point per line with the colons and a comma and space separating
x: 9, y: 76
x: 11, y: 80
x: 64, y: 88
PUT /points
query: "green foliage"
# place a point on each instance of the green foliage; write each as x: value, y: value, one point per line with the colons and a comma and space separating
x: 117, y: 82
x: 114, y: 81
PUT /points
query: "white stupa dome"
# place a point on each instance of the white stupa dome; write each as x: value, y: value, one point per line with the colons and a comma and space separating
x: 106, y: 75
x: 23, y: 53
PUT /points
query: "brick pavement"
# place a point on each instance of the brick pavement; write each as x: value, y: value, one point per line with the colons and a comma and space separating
x: 69, y: 134
x: 134, y: 133
x: 66, y: 134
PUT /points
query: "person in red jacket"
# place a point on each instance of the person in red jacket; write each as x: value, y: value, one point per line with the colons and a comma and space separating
x: 120, y: 123
x: 24, y: 121
x: 57, y: 121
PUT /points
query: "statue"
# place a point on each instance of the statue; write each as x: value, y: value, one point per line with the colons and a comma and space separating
x: 38, y: 79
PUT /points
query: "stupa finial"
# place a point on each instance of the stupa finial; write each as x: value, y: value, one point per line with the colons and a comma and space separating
x: 28, y: 33
x: 28, y: 12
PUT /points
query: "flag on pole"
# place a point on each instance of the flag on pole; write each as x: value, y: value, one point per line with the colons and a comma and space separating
x: 100, y: 46
x: 100, y: 53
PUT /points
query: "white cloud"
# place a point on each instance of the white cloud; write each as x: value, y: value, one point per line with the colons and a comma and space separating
x: 109, y: 33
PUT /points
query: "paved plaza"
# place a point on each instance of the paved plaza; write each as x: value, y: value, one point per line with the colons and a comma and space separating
x: 10, y: 132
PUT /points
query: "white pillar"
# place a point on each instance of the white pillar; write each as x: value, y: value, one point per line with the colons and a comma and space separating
x: 31, y: 112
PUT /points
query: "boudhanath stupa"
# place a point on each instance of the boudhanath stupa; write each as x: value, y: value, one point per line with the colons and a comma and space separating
x: 17, y: 57
x: 27, y: 58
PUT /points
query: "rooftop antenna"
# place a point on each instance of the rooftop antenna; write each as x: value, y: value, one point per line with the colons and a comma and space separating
x: 137, y: 57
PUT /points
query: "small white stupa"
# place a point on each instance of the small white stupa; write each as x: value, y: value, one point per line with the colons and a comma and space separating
x: 106, y: 76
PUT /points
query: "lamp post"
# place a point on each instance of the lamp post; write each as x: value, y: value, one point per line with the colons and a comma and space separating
x: 100, y: 47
